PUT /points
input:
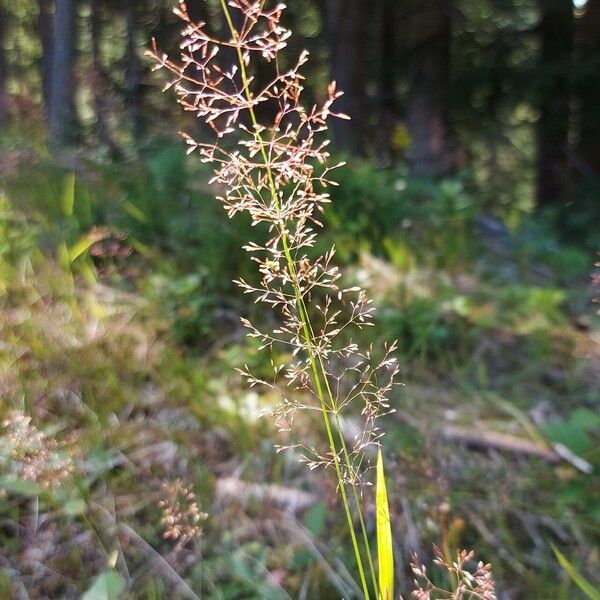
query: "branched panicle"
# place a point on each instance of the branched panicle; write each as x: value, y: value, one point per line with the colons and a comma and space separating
x: 471, y: 584
x: 29, y: 454
x: 278, y: 173
x: 276, y: 170
x: 181, y: 514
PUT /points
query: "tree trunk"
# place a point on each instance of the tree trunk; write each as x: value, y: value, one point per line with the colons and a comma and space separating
x: 386, y: 100
x: 432, y: 152
x: 198, y: 13
x: 197, y: 10
x: 45, y: 29
x: 589, y: 89
x: 228, y: 56
x: 132, y: 75
x: 98, y: 83
x: 556, y: 35
x: 63, y: 123
x: 346, y: 30
x: 3, y: 73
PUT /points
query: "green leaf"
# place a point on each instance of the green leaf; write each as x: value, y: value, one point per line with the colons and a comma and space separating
x: 385, y: 552
x: 585, y: 586
x: 109, y: 585
x: 63, y: 255
x: 135, y: 212
x: 315, y: 518
x: 585, y: 419
x: 68, y: 200
x: 83, y: 245
x: 571, y: 434
x: 21, y: 487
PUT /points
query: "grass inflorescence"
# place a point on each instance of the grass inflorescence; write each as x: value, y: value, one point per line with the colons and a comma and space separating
x: 278, y: 174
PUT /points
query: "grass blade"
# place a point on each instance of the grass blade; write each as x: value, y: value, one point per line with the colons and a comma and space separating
x: 68, y: 199
x: 585, y: 586
x: 385, y: 552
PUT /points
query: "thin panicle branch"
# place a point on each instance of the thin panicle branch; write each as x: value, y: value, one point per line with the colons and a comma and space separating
x: 278, y: 172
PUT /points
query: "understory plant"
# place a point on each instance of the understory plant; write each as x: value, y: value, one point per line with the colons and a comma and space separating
x: 271, y: 162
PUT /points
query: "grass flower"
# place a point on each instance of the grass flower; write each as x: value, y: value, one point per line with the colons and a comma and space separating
x: 275, y: 168
x: 181, y: 515
x: 476, y: 583
x: 31, y: 455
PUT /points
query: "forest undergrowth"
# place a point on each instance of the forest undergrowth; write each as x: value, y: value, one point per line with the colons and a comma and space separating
x: 119, y: 340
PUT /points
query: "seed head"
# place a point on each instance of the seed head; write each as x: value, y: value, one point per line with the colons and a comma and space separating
x: 181, y: 515
x: 276, y: 169
x: 31, y: 455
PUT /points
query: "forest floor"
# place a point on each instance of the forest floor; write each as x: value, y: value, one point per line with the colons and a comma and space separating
x: 119, y: 339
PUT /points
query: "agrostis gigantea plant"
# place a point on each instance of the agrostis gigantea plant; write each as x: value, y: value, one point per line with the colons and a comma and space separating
x: 277, y: 172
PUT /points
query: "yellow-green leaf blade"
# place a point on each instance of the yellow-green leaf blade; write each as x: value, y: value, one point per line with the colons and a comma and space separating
x: 385, y: 552
x: 68, y: 199
x: 585, y: 586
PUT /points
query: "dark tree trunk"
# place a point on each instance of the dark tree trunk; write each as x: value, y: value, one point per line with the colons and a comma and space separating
x: 45, y: 29
x: 228, y: 56
x: 197, y: 10
x: 63, y: 123
x: 589, y: 89
x: 3, y: 73
x: 198, y: 13
x: 346, y: 31
x: 433, y: 151
x: 386, y: 99
x: 99, y: 88
x: 556, y: 35
x: 132, y: 75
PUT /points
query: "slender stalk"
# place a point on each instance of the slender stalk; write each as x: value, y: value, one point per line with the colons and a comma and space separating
x: 348, y: 464
x: 315, y: 364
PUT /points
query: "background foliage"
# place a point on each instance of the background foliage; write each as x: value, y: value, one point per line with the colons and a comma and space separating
x: 469, y: 210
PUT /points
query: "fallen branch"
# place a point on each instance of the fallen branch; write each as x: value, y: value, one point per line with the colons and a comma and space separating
x: 500, y: 441
x: 289, y: 499
x: 485, y: 439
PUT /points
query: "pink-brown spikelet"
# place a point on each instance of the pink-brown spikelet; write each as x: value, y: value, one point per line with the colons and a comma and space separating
x: 278, y: 173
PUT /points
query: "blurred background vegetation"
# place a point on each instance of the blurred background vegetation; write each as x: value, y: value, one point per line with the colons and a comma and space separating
x: 470, y: 210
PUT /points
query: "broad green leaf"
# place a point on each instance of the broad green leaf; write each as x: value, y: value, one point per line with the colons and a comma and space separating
x: 109, y: 585
x: 585, y: 418
x: 574, y: 432
x: 63, y: 255
x: 69, y: 195
x: 571, y: 434
x: 315, y: 518
x: 385, y: 552
x: 83, y: 245
x: 88, y: 273
x: 585, y: 586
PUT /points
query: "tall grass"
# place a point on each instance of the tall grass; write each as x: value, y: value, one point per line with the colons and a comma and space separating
x: 276, y: 171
